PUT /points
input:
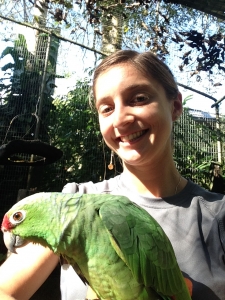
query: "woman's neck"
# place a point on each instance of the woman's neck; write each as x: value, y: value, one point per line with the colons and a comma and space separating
x: 155, y: 182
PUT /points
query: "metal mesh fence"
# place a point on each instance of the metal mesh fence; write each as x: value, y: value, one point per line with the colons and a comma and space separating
x: 44, y: 95
x: 198, y: 144
x: 44, y: 92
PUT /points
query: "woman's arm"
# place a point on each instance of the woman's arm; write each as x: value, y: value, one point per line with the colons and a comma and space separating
x: 4, y: 296
x: 23, y: 273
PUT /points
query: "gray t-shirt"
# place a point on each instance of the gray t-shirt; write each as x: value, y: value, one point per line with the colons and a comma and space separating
x: 194, y: 221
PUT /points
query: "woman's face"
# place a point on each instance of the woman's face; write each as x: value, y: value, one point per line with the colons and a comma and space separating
x: 135, y: 115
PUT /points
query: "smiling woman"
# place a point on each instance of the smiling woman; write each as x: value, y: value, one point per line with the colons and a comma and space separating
x: 135, y: 115
x: 138, y: 101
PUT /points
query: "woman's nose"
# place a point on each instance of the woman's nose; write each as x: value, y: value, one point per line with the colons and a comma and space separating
x: 122, y: 116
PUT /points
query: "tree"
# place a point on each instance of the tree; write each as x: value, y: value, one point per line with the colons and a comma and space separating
x: 22, y: 88
x: 195, y: 149
x: 75, y: 130
x: 110, y: 25
x: 104, y: 26
x: 21, y: 91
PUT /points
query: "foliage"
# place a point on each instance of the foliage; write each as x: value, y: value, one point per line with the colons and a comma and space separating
x: 75, y: 130
x: 186, y: 99
x: 144, y: 25
x: 195, y: 149
x: 21, y: 92
x: 208, y: 51
x: 197, y: 168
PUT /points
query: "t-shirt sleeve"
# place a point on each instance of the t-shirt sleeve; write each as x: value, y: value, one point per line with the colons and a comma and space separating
x: 71, y: 187
x: 71, y: 286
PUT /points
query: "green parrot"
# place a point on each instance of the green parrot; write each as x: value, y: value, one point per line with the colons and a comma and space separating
x: 113, y: 244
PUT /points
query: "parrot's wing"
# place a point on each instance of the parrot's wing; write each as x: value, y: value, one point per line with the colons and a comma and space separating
x: 140, y: 241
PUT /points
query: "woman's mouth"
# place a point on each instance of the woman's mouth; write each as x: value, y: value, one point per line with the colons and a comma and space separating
x: 132, y: 137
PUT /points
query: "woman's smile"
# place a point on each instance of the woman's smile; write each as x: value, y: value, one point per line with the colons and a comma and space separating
x: 132, y: 137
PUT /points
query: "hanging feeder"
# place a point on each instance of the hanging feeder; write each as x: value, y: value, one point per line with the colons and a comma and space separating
x: 42, y: 153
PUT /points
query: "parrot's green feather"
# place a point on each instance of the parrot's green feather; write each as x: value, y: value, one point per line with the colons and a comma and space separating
x: 116, y: 246
x: 143, y: 246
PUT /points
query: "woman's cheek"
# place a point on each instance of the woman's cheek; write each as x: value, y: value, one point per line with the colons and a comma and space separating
x: 105, y: 124
x: 104, y: 128
x: 100, y: 123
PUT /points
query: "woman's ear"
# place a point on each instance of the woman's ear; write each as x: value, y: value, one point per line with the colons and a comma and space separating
x: 177, y: 107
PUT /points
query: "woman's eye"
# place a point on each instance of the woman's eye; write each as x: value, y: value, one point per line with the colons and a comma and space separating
x: 105, y: 109
x: 140, y: 98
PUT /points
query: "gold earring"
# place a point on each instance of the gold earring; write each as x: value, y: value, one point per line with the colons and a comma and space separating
x: 110, y: 166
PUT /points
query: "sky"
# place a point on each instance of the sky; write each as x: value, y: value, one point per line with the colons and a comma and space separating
x: 202, y: 103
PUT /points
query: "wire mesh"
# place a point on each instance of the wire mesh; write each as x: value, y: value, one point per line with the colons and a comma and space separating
x: 196, y: 148
x: 50, y: 78
x: 44, y: 86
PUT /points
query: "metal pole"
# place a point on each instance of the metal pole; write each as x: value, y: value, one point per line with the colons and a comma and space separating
x: 43, y: 82
x: 40, y: 106
x: 219, y: 142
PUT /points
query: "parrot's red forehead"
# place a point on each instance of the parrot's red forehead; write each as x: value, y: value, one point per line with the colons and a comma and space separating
x: 6, y: 224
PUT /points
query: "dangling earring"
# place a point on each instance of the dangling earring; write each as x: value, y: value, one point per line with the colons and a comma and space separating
x: 110, y: 166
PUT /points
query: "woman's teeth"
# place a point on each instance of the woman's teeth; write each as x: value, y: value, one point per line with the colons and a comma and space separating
x: 132, y: 136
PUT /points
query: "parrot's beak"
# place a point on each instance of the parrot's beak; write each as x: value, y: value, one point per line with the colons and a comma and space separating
x: 12, y: 241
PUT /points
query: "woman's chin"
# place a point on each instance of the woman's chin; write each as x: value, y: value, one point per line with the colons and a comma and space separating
x: 132, y: 160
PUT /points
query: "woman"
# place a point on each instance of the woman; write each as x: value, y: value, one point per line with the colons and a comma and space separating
x: 137, y: 101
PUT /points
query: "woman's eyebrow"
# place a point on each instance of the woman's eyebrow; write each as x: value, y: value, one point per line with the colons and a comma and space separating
x: 101, y: 100
x: 134, y: 87
x: 137, y: 85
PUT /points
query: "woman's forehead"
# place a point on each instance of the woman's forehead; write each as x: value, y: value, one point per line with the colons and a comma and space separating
x: 124, y: 76
x: 125, y: 88
x: 127, y: 66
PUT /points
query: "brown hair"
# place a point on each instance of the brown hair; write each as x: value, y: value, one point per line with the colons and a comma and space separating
x: 146, y: 62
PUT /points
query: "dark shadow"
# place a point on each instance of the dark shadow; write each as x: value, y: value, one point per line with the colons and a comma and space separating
x: 50, y: 290
x: 201, y: 291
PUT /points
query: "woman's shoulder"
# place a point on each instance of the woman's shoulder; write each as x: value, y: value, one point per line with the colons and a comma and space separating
x: 204, y: 194
x: 101, y: 187
x: 210, y: 200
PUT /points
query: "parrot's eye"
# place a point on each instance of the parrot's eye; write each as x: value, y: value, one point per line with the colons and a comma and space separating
x: 18, y: 216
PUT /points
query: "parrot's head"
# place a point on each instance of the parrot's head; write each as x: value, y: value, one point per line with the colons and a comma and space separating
x: 9, y: 223
x: 36, y: 218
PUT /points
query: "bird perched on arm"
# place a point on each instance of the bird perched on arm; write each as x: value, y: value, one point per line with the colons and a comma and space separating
x: 116, y: 246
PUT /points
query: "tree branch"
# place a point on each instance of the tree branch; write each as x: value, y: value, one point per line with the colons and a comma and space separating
x: 51, y: 32
x: 201, y: 93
